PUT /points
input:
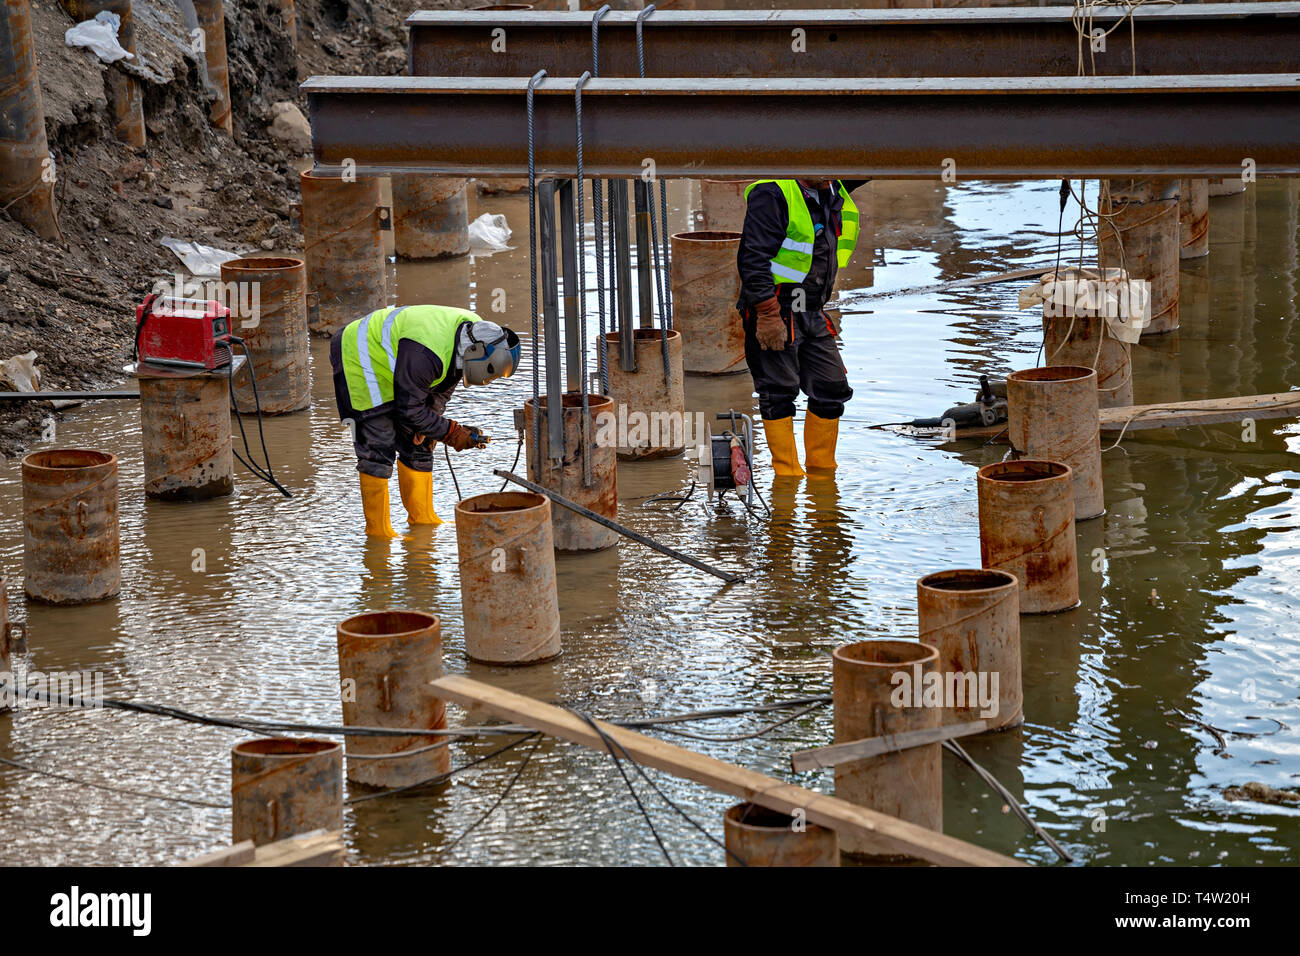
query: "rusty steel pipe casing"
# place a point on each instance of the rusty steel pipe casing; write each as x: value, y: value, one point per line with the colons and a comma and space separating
x: 212, y: 21
x: 1194, y: 218
x: 343, y: 248
x: 507, y: 578
x: 651, y: 412
x: 279, y: 346
x: 1052, y: 416
x: 501, y: 185
x: 722, y: 204
x: 185, y: 434
x: 27, y: 173
x: 571, y: 531
x: 1139, y: 232
x: 283, y: 786
x: 6, y: 665
x: 289, y: 17
x: 973, y: 618
x: 430, y: 216
x: 1225, y: 186
x: 870, y: 700
x: 388, y: 659
x: 705, y: 286
x: 757, y: 836
x: 1076, y: 334
x: 123, y: 89
x: 1026, y: 516
x: 70, y: 528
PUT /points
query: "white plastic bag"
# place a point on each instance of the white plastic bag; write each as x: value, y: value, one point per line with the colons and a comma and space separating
x: 201, y: 260
x: 100, y: 35
x: 21, y: 372
x: 489, y: 233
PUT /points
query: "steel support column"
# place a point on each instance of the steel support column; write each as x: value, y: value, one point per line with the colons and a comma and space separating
x: 550, y: 318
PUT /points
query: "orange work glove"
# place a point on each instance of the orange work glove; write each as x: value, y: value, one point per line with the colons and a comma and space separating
x: 458, y: 436
x: 770, y: 329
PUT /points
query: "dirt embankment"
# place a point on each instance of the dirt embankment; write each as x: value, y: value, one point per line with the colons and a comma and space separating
x: 73, y: 302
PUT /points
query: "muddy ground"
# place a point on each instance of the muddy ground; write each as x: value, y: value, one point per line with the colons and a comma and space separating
x: 73, y: 302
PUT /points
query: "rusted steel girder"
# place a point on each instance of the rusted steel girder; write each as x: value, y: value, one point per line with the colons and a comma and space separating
x: 1214, y: 38
x: 1008, y: 128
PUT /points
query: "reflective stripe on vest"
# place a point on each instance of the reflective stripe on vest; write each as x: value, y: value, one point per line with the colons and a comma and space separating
x: 793, y: 261
x: 370, y: 352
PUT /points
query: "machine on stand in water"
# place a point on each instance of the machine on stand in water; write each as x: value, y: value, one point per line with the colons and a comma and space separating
x: 727, y: 461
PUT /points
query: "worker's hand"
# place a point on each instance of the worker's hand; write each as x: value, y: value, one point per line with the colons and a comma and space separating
x: 458, y: 436
x: 769, y: 329
x: 418, y: 440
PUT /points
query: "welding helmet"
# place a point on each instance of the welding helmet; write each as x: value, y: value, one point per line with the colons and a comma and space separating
x: 491, y: 353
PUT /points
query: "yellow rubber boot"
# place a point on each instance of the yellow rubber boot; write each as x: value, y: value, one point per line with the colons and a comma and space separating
x: 780, y: 442
x: 819, y: 438
x: 417, y: 495
x: 374, y: 502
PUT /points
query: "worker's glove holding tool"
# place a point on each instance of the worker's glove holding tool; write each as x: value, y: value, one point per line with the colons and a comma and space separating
x: 769, y: 328
x: 461, y: 438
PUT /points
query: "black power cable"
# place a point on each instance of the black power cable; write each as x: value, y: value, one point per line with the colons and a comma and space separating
x: 266, y: 475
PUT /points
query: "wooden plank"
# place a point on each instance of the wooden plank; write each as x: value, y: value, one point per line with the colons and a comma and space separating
x: 890, y: 834
x: 241, y: 854
x: 1210, y: 411
x: 875, y: 746
x: 317, y: 848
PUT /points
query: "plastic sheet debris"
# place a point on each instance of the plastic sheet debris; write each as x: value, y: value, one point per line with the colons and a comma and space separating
x: 20, y: 373
x: 489, y: 233
x: 199, y: 259
x: 99, y: 36
x: 1124, y: 303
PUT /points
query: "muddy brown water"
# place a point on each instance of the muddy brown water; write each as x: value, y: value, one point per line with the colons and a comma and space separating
x: 1187, y: 615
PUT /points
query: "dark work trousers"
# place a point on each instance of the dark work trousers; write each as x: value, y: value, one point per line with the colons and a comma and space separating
x: 810, y: 363
x: 378, y: 436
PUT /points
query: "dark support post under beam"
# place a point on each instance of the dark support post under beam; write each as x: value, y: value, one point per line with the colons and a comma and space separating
x: 550, y: 319
x: 623, y: 276
x: 569, y: 251
x: 644, y: 275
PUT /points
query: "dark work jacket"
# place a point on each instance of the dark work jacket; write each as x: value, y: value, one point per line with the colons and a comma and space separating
x: 420, y: 408
x: 766, y: 221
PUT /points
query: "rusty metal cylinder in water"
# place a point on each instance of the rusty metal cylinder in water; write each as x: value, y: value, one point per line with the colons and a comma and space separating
x: 498, y: 185
x: 972, y: 617
x: 877, y: 688
x: 7, y: 698
x: 705, y: 286
x: 1194, y: 218
x: 387, y: 661
x: 283, y: 786
x: 274, y: 292
x: 430, y: 216
x: 26, y: 175
x: 722, y: 205
x: 1139, y: 232
x: 212, y: 21
x: 185, y: 434
x: 1075, y: 331
x: 70, y: 536
x: 507, y: 578
x: 650, y: 408
x: 1226, y: 186
x: 565, y: 476
x: 1052, y: 416
x: 757, y: 836
x: 1026, y: 516
x: 343, y: 248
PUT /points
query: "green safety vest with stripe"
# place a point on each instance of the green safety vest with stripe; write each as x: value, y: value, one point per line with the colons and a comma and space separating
x: 794, y: 259
x: 370, y: 347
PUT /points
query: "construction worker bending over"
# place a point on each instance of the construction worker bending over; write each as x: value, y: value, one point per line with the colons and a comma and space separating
x: 797, y: 235
x: 394, y: 371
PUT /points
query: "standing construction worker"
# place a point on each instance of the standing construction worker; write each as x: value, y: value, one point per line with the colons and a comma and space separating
x: 394, y: 371
x: 798, y: 233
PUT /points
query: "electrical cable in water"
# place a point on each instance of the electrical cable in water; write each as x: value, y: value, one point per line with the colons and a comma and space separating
x: 267, y: 475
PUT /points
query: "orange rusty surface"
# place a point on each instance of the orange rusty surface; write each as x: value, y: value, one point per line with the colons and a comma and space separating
x: 706, y: 285
x: 24, y: 150
x: 1052, y: 416
x: 757, y: 836
x: 722, y: 203
x: 185, y: 437
x: 212, y: 20
x: 572, y: 531
x: 1139, y: 232
x: 907, y: 784
x: 1194, y: 218
x: 973, y: 617
x: 507, y: 578
x: 277, y: 339
x: 283, y: 786
x: 343, y: 248
x: 1026, y: 518
x: 70, y: 526
x: 430, y: 216
x: 646, y: 393
x: 387, y: 661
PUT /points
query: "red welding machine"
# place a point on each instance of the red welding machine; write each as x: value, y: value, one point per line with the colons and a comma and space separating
x: 190, y: 333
